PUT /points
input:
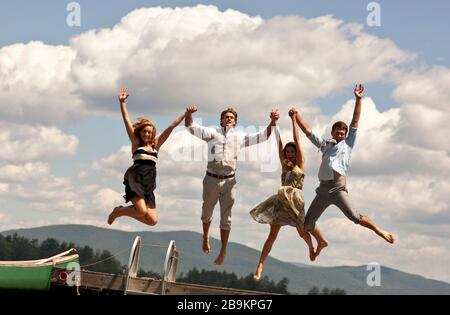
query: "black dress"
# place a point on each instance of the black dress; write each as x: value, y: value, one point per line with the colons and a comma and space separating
x: 140, y: 178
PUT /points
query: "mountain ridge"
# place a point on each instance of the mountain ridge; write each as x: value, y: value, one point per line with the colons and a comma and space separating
x: 241, y: 260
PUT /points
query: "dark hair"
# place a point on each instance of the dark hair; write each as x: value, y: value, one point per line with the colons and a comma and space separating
x: 339, y: 124
x: 289, y: 144
x: 228, y: 110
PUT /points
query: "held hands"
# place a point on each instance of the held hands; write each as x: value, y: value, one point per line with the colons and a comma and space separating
x: 359, y: 91
x: 191, y: 109
x: 123, y: 94
x: 292, y: 112
x: 274, y: 116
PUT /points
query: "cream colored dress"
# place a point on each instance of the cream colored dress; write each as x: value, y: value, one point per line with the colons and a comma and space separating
x: 287, y: 207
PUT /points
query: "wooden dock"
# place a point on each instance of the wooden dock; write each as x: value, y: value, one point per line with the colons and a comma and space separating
x: 105, y: 282
x: 131, y: 284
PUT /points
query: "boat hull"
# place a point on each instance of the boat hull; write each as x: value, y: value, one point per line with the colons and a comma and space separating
x: 31, y: 276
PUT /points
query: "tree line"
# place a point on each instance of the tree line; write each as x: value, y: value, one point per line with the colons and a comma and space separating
x: 15, y: 247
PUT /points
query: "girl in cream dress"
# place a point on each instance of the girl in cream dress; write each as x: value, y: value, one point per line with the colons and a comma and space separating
x: 287, y: 206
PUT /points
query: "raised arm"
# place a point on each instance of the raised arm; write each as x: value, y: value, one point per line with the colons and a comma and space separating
x: 123, y: 95
x: 195, y: 129
x: 188, y: 115
x: 166, y: 133
x: 258, y: 137
x: 280, y: 145
x: 359, y: 92
x: 300, y: 153
x: 303, y: 124
x: 274, y: 116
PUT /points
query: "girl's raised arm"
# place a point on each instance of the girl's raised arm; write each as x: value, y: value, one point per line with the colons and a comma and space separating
x: 166, y: 133
x: 280, y: 145
x: 123, y: 95
x: 300, y: 153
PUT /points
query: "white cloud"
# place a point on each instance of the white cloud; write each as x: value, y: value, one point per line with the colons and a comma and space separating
x: 22, y: 143
x: 217, y: 60
x: 425, y: 127
x: 36, y: 84
x: 43, y: 190
x: 11, y: 222
x: 116, y: 163
x: 28, y: 171
x: 106, y: 199
x: 210, y: 57
x: 429, y: 87
x: 403, y: 200
x: 425, y: 112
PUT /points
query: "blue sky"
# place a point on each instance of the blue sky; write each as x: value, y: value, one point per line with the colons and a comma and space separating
x: 64, y: 111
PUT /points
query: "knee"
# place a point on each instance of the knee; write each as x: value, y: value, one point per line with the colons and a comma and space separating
x: 225, y: 221
x: 207, y: 214
x: 151, y: 218
x: 206, y: 217
x: 357, y: 218
x: 225, y: 226
x: 152, y: 221
x: 361, y: 219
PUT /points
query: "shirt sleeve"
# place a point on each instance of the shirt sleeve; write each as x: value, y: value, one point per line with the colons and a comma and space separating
x: 250, y: 139
x: 201, y: 132
x: 316, y: 139
x: 351, y: 137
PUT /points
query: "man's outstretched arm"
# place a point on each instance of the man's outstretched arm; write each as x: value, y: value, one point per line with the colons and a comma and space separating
x: 312, y: 136
x: 201, y: 132
x: 255, y: 138
x: 303, y: 124
x: 359, y: 92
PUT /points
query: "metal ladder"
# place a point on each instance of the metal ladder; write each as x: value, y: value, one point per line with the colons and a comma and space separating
x: 169, y: 272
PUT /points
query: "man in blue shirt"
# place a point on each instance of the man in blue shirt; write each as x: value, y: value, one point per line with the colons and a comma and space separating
x: 336, y: 154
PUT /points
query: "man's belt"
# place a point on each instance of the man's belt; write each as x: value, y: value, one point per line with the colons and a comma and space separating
x: 219, y: 176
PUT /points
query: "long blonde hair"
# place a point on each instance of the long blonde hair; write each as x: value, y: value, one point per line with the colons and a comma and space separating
x: 139, y: 125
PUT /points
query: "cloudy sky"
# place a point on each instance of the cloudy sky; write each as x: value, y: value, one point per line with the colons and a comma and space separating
x: 64, y: 147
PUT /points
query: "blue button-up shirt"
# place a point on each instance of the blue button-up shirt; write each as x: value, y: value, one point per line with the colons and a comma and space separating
x: 335, y: 157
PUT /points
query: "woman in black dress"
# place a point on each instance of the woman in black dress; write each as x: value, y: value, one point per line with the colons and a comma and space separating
x: 140, y: 178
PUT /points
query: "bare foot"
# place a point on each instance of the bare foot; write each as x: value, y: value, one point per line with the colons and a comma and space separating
x: 387, y: 236
x: 312, y: 254
x: 113, y: 215
x: 258, y: 272
x: 219, y: 260
x: 320, y: 246
x: 206, y: 248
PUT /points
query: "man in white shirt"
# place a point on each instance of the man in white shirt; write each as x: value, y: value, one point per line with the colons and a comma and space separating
x: 219, y: 184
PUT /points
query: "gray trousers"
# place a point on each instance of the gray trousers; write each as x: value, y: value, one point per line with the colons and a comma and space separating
x: 330, y: 193
x: 222, y: 190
